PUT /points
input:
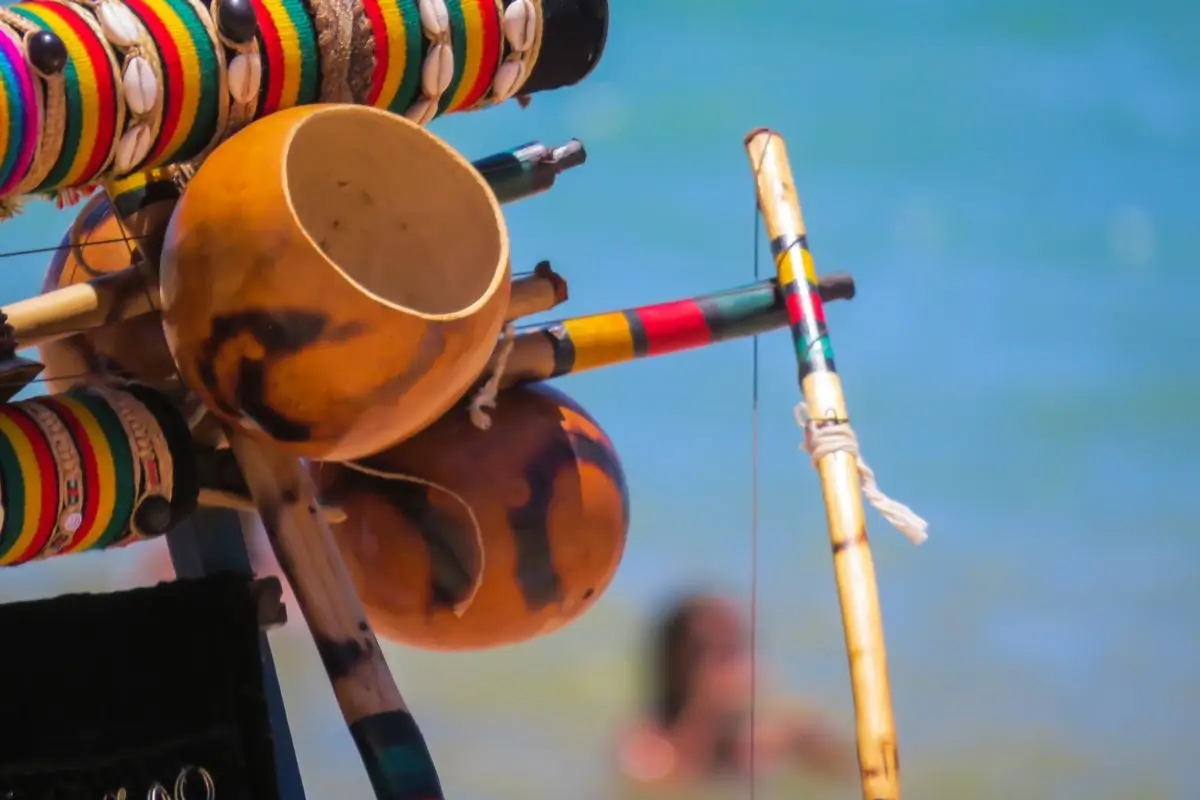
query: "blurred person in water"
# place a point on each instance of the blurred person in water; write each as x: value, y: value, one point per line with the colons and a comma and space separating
x: 695, y: 734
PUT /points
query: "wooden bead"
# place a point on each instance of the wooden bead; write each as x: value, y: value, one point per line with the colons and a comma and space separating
x: 236, y: 21
x: 153, y: 516
x: 47, y: 53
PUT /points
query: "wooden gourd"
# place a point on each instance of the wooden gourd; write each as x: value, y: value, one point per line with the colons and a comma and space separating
x: 547, y: 489
x: 334, y: 279
x: 96, y: 244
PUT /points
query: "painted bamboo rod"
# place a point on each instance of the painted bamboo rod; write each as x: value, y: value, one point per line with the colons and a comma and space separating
x: 578, y: 344
x: 879, y: 763
x: 393, y: 750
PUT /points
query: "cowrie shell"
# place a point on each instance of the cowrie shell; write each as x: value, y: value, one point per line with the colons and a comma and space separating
x: 435, y: 18
x: 520, y: 25
x: 509, y: 76
x: 438, y: 70
x: 422, y: 111
x: 119, y: 24
x: 245, y: 75
x: 133, y: 148
x: 140, y: 85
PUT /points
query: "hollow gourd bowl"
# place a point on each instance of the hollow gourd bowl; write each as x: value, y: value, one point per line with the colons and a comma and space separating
x: 547, y: 489
x: 97, y: 244
x: 334, y: 279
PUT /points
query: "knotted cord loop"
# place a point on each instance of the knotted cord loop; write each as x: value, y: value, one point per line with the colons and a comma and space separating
x: 486, y: 396
x: 837, y: 436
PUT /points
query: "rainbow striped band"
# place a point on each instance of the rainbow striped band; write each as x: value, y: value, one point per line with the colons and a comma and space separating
x: 75, y: 131
x: 73, y: 469
x: 475, y: 35
x: 95, y: 104
x: 134, y: 50
x: 31, y: 485
x: 153, y: 474
x: 291, y: 65
x: 191, y: 90
x: 399, y: 47
x: 49, y: 104
x: 70, y: 476
x: 20, y: 131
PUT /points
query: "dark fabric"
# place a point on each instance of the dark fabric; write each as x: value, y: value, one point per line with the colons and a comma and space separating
x: 100, y: 692
x: 574, y: 33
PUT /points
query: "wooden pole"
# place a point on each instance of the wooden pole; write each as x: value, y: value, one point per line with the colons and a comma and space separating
x: 392, y: 747
x: 879, y: 763
x: 211, y: 540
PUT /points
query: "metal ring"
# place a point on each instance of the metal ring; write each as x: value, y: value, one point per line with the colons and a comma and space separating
x: 157, y: 792
x: 210, y: 786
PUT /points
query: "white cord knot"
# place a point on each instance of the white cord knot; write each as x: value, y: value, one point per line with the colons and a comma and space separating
x: 822, y: 440
x: 486, y: 396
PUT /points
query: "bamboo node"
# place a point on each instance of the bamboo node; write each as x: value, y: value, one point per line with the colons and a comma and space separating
x: 825, y: 437
x: 486, y: 396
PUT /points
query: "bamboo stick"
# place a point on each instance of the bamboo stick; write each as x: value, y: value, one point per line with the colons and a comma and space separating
x: 535, y: 292
x: 879, y: 763
x: 392, y: 747
x: 100, y: 301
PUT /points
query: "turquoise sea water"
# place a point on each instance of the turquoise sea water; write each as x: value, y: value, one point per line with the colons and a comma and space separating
x: 1013, y: 185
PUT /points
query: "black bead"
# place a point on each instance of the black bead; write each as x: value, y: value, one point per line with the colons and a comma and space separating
x: 153, y: 516
x: 46, y: 52
x: 236, y: 21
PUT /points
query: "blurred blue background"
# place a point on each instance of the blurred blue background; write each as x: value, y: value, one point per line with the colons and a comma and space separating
x: 1013, y: 185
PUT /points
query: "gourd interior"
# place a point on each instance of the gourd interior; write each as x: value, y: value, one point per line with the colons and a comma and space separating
x: 336, y: 201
